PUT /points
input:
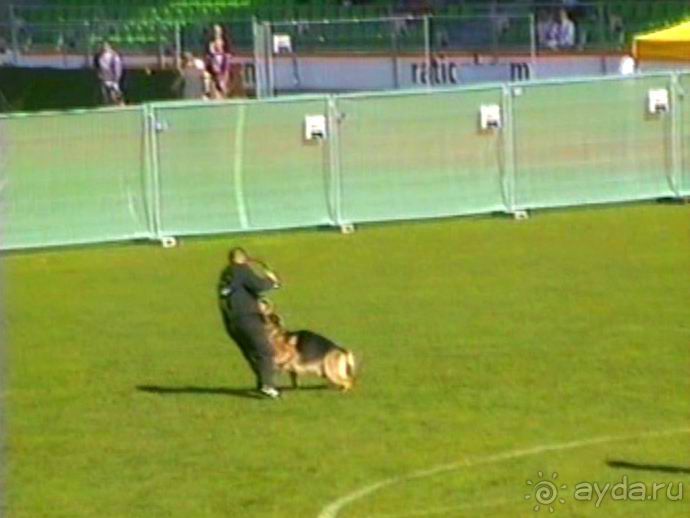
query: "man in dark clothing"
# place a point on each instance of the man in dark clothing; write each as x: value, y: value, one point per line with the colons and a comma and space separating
x: 239, y: 289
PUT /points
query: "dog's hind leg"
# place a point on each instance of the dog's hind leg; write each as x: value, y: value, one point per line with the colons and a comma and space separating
x: 334, y: 370
x: 294, y: 379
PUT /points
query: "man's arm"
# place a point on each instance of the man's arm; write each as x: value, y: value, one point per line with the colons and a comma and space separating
x: 225, y: 283
x: 257, y: 284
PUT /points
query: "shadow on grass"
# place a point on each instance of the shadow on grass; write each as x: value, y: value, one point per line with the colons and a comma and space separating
x: 304, y: 387
x: 621, y: 464
x: 249, y: 393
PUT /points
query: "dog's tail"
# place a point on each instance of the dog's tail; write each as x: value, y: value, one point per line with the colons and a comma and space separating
x: 339, y: 368
x: 350, y: 365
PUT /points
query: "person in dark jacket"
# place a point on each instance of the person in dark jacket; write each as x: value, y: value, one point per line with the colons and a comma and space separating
x: 239, y: 290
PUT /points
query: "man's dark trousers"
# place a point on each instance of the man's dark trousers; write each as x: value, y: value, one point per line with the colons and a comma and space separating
x: 249, y: 332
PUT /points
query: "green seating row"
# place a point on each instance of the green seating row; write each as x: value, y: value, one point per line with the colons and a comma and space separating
x: 134, y: 22
x: 632, y: 11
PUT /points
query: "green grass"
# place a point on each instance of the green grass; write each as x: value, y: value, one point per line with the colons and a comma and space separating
x: 476, y: 337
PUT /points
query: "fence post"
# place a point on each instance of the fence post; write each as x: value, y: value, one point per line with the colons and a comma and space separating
x: 88, y: 37
x: 334, y: 119
x: 178, y: 45
x: 268, y: 50
x: 676, y: 172
x: 509, y: 178
x: 262, y: 64
x: 533, y: 45
x: 601, y: 23
x: 396, y: 52
x: 153, y: 194
x: 159, y: 41
x: 259, y: 69
x: 14, y: 35
x: 427, y: 49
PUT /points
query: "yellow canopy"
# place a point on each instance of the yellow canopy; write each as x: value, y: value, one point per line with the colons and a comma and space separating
x: 671, y: 44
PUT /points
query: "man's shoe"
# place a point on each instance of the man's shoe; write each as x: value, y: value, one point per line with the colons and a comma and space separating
x: 270, y: 392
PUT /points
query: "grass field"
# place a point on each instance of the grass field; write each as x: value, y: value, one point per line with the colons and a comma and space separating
x: 495, y: 348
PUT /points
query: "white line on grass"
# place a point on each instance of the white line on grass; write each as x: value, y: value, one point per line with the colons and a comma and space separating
x: 446, y: 510
x: 332, y: 509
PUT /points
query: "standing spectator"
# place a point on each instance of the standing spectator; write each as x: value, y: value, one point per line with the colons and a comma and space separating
x: 627, y: 66
x: 191, y: 83
x: 217, y: 33
x: 23, y: 34
x: 561, y: 34
x: 617, y: 28
x: 566, y: 31
x: 218, y: 62
x: 108, y: 65
x: 545, y: 25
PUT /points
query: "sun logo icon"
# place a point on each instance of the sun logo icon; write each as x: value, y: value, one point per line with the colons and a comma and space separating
x: 545, y: 492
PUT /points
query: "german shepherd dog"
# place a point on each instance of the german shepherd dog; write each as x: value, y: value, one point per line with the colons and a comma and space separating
x: 304, y: 352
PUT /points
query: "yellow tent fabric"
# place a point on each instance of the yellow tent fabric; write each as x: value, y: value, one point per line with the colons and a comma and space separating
x: 672, y: 44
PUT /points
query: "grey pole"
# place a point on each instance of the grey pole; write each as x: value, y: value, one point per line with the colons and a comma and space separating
x: 427, y: 49
x: 178, y: 45
x: 14, y: 35
x: 533, y: 45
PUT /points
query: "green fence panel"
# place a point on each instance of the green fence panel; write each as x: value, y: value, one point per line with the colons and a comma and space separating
x: 240, y: 166
x: 195, y: 152
x: 202, y: 168
x: 590, y: 142
x: 684, y: 82
x: 419, y: 156
x: 287, y: 179
x: 72, y: 178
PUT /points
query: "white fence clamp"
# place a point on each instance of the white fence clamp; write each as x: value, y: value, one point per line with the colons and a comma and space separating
x: 490, y: 117
x: 658, y: 101
x: 520, y: 215
x: 315, y: 128
x: 168, y: 242
x: 347, y: 228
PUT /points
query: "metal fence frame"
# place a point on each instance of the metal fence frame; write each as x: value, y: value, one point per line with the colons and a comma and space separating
x: 264, y: 32
x: 153, y: 124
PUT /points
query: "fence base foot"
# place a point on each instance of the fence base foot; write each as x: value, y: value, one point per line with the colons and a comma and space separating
x: 347, y: 228
x: 520, y: 214
x: 168, y: 242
